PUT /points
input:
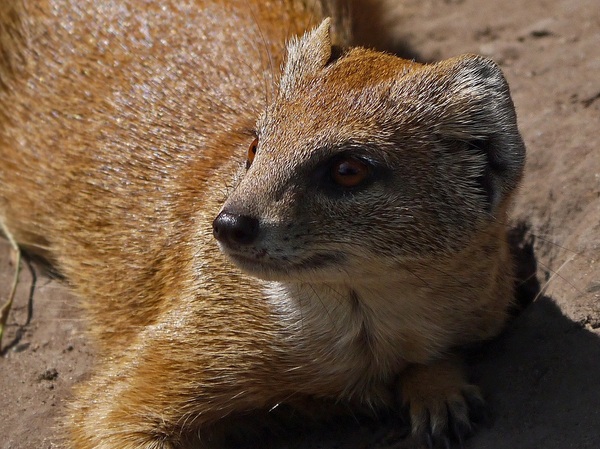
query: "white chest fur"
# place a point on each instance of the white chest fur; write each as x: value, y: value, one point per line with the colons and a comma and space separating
x: 352, y: 336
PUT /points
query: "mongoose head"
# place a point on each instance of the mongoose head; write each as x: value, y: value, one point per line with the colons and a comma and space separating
x: 366, y: 161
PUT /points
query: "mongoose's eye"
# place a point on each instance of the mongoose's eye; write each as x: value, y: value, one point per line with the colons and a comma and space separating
x: 349, y: 172
x: 251, y: 153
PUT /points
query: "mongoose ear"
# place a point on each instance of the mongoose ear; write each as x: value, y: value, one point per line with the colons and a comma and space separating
x: 306, y: 55
x: 480, y: 113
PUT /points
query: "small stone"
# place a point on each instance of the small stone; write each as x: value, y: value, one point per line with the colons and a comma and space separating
x: 50, y: 374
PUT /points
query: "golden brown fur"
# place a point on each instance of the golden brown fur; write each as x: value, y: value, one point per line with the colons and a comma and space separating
x: 123, y: 133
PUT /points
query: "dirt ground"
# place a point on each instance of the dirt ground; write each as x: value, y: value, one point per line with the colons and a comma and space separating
x: 542, y: 376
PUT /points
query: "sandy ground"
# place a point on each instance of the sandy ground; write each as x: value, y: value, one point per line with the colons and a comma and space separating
x: 542, y: 376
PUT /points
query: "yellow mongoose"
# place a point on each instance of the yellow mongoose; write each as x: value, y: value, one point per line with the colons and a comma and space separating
x: 241, y: 238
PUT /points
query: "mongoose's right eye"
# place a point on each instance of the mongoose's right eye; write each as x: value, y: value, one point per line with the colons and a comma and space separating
x: 251, y: 153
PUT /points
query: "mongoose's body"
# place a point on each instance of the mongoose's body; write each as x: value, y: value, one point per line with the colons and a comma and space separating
x: 358, y: 247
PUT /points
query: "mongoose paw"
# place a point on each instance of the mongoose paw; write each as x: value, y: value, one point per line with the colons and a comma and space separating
x: 442, y: 408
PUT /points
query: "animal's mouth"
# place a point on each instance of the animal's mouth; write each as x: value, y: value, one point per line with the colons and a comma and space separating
x: 265, y: 265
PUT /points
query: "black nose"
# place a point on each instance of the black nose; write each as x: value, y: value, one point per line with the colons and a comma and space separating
x: 235, y: 229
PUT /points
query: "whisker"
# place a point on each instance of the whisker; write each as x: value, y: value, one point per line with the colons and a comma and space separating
x: 555, y: 273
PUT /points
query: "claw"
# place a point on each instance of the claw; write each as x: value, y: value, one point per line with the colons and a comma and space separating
x: 458, y: 429
x: 429, y: 439
x: 479, y: 413
x: 447, y: 444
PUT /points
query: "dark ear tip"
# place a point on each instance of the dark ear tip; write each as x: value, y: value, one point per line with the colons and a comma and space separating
x: 480, y: 71
x: 482, y: 112
x: 478, y: 63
